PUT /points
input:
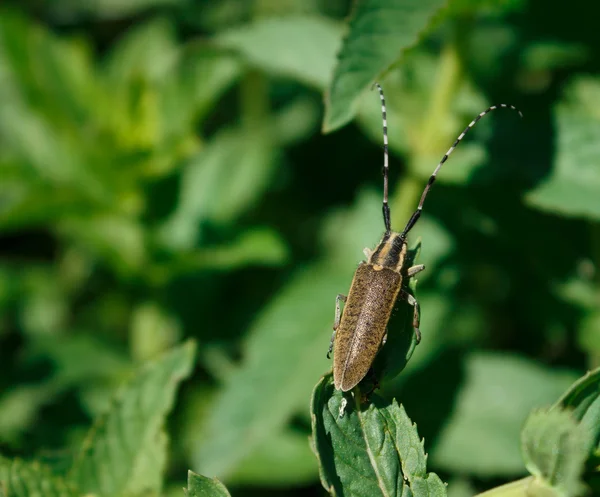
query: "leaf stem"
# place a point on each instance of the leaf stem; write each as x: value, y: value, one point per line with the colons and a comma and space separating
x: 431, y: 134
x: 593, y: 359
x: 524, y: 487
x: 254, y: 99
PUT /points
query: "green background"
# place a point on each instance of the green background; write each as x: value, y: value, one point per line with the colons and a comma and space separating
x: 163, y: 176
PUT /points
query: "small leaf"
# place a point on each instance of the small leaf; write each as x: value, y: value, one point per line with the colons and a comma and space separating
x: 284, y: 459
x: 31, y: 479
x: 201, y: 486
x: 572, y: 187
x: 253, y: 247
x: 124, y: 451
x: 148, y: 50
x: 583, y: 399
x: 303, y: 48
x: 482, y: 435
x: 203, y: 75
x: 380, y: 31
x: 69, y: 11
x: 552, y: 55
x: 369, y: 450
x: 221, y: 182
x: 19, y: 407
x: 555, y: 449
x: 115, y: 238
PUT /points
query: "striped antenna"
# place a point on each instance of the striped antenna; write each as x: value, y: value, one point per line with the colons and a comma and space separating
x: 415, y: 217
x: 386, y: 207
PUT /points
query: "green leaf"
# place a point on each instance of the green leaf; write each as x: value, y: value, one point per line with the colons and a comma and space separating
x: 549, y: 55
x: 583, y: 399
x: 153, y: 330
x: 555, y: 449
x: 221, y: 182
x: 256, y: 246
x: 147, y: 51
x: 31, y: 479
x: 282, y: 460
x: 19, y: 408
x: 485, y: 7
x: 201, y: 486
x: 302, y: 48
x: 373, y: 449
x: 482, y: 435
x: 380, y: 31
x: 117, y: 239
x: 573, y: 185
x: 125, y: 450
x: 69, y: 10
x: 203, y: 74
x: 79, y: 359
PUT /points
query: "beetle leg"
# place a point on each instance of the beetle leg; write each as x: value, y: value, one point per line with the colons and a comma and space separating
x: 372, y: 377
x: 338, y: 311
x: 336, y: 323
x: 384, y: 338
x: 415, y: 269
x: 416, y: 312
x: 330, y: 350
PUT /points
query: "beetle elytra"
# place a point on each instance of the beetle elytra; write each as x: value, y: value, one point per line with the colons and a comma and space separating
x: 361, y: 329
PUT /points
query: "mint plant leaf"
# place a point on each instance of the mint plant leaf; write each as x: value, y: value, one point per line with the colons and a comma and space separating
x: 371, y: 449
x: 201, y: 486
x: 124, y: 450
x: 555, y: 449
x: 500, y: 390
x: 300, y: 47
x: 31, y: 479
x: 380, y: 31
x: 572, y: 187
x: 583, y: 398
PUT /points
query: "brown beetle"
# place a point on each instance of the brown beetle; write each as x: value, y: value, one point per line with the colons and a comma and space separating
x: 361, y: 329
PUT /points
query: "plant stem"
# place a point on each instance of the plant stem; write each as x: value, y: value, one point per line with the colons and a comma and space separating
x: 593, y: 359
x: 254, y: 99
x: 431, y: 134
x: 525, y: 487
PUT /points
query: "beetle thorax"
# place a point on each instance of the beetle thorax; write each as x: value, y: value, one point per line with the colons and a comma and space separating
x: 390, y: 252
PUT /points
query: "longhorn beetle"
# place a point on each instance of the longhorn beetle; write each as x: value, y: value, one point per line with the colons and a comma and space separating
x: 360, y: 330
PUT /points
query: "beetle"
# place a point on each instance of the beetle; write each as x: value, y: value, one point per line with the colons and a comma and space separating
x: 360, y: 330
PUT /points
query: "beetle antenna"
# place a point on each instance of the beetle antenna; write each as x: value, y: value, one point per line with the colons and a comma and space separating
x: 386, y: 207
x: 415, y: 217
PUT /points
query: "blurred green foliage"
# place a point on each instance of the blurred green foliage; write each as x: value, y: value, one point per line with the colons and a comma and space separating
x: 163, y: 177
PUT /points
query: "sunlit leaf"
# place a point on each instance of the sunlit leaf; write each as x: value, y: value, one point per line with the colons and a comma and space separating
x: 124, y: 451
x: 555, y: 449
x: 303, y: 48
x: 583, y: 399
x: 117, y: 239
x: 482, y: 434
x: 201, y: 486
x: 380, y: 31
x: 148, y: 50
x: 71, y: 10
x: 573, y: 185
x: 254, y: 247
x: 220, y: 182
x: 372, y: 449
x: 283, y: 459
x: 31, y: 479
x: 19, y: 408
